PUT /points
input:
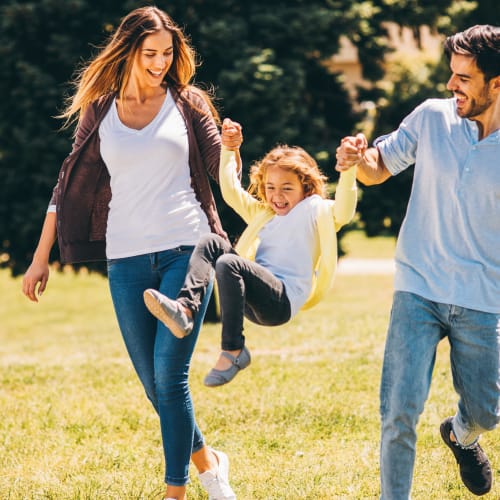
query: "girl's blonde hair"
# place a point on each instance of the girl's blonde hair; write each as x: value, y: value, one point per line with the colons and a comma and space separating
x: 109, y: 71
x: 292, y: 158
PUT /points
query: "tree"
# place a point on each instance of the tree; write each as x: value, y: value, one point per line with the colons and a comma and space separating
x: 264, y: 58
x: 267, y: 59
x: 41, y: 42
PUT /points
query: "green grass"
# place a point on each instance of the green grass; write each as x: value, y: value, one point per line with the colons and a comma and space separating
x: 301, y: 422
x: 356, y: 245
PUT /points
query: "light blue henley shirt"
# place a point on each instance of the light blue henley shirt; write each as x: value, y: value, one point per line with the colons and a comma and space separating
x: 448, y: 249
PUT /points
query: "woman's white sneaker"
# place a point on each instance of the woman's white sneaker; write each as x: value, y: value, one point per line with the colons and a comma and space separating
x: 216, y: 482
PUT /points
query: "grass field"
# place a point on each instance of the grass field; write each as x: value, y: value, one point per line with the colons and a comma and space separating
x: 300, y: 423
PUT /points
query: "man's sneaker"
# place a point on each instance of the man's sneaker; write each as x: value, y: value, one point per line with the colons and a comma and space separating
x: 217, y: 482
x: 169, y: 312
x: 475, y: 469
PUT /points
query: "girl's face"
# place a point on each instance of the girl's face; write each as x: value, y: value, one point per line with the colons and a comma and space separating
x: 153, y: 59
x: 283, y: 189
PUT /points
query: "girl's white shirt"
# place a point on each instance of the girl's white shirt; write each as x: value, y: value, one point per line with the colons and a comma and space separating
x: 288, y: 247
x: 153, y: 206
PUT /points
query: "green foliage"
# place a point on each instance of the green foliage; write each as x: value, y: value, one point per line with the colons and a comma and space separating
x: 264, y: 72
x: 485, y: 12
x: 266, y: 60
x: 41, y: 43
x: 267, y: 63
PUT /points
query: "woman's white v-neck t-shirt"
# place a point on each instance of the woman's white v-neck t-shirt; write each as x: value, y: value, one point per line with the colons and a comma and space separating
x: 153, y: 206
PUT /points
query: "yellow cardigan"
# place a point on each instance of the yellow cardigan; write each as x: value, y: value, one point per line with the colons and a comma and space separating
x: 331, y: 216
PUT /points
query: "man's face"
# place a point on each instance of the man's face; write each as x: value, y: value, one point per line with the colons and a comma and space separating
x: 473, y: 95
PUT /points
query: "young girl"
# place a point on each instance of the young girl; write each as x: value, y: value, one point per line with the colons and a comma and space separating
x: 284, y: 261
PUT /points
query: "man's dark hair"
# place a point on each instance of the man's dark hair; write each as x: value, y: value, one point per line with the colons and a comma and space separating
x: 481, y: 42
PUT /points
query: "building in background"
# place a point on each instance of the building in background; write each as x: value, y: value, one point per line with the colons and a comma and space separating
x: 408, y: 50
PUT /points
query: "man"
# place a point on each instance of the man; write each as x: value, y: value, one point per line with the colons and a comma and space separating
x: 447, y: 281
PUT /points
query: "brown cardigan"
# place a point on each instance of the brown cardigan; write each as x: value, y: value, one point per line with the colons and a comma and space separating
x: 83, y: 192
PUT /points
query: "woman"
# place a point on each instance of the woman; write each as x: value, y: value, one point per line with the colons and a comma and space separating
x: 135, y: 190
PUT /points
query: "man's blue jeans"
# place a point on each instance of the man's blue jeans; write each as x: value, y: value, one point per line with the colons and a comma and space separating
x: 160, y: 359
x: 416, y: 327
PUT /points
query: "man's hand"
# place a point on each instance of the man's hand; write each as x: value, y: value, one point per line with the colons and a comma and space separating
x: 350, y: 152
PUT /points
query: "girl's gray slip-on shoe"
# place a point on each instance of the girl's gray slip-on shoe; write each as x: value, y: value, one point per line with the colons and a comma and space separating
x: 221, y: 377
x: 169, y: 312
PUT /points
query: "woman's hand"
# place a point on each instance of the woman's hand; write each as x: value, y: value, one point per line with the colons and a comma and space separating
x: 37, y: 275
x: 232, y: 135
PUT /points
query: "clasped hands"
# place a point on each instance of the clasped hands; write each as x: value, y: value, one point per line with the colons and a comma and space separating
x: 350, y: 152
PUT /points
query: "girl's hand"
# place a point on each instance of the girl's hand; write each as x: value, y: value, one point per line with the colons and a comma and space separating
x: 231, y: 135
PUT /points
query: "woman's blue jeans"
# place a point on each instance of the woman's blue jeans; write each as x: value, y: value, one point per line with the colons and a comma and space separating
x: 160, y: 359
x: 416, y: 327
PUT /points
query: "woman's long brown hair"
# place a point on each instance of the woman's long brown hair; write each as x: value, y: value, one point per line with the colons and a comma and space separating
x: 109, y: 71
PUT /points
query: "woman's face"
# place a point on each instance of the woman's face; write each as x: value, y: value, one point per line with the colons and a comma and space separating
x: 153, y: 59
